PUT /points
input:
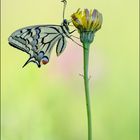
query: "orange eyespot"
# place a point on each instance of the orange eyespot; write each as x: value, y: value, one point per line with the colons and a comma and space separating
x: 45, y: 61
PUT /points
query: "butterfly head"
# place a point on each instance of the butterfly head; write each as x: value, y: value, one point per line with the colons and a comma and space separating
x: 66, y: 23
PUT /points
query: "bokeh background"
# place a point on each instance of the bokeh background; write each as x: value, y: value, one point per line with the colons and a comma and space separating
x: 49, y: 103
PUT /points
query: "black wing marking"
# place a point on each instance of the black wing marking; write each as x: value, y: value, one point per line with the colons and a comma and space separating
x: 61, y: 45
x: 35, y: 39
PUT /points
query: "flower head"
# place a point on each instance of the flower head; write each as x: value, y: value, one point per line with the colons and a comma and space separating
x: 87, y: 20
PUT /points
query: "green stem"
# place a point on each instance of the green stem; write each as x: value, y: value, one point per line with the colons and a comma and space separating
x: 87, y: 94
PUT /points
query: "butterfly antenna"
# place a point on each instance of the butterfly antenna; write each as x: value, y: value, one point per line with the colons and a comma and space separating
x: 65, y: 3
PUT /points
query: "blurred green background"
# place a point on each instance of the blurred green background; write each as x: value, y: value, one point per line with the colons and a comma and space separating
x: 49, y: 103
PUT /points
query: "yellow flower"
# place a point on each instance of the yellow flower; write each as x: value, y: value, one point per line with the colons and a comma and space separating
x: 87, y: 20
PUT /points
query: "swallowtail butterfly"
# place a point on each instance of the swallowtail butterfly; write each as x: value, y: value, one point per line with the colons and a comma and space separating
x: 38, y: 41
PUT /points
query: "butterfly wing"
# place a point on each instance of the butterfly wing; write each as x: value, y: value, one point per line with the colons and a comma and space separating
x: 61, y: 45
x: 38, y: 41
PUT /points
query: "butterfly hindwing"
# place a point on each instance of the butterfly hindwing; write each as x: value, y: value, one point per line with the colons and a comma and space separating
x: 38, y: 41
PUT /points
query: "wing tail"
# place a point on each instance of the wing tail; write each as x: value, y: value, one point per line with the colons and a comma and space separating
x: 32, y: 59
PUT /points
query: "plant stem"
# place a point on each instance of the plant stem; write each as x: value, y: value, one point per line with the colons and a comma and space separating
x: 86, y: 83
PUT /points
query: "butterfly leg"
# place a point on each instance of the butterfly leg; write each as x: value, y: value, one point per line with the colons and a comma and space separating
x: 75, y: 42
x: 74, y: 36
x: 72, y: 31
